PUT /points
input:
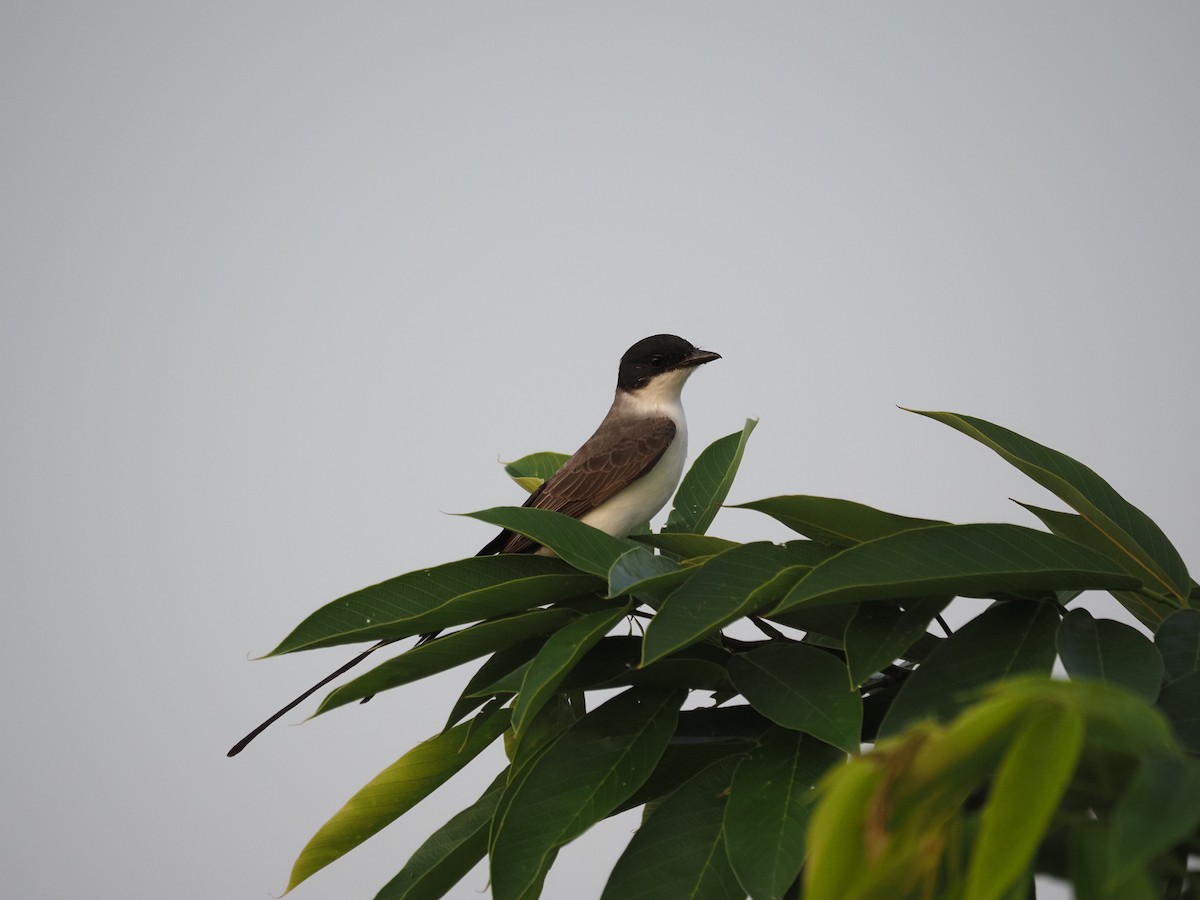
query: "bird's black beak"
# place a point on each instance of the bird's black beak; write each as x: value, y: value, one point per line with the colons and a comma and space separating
x: 698, y: 358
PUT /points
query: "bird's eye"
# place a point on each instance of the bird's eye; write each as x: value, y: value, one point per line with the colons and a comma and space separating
x: 657, y: 361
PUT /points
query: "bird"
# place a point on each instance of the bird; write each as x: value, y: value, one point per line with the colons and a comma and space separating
x: 617, y: 480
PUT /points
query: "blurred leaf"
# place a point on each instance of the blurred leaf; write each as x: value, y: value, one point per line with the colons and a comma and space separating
x: 686, y: 546
x: 881, y: 632
x: 769, y: 805
x: 1180, y: 702
x: 1104, y: 650
x: 1088, y: 844
x: 1159, y: 809
x: 393, y: 792
x: 737, y: 582
x: 837, y: 832
x: 1178, y: 640
x: 679, y: 850
x: 579, y: 780
x: 965, y: 560
x: 456, y: 593
x: 1089, y: 495
x: 449, y: 853
x: 584, y: 547
x: 801, y: 688
x: 1006, y: 640
x: 707, y: 483
x: 557, y: 657
x: 840, y: 522
x: 536, y: 467
x: 1027, y: 788
x: 446, y: 652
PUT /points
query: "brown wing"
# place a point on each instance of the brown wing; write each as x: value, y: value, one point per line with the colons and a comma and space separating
x: 600, y: 469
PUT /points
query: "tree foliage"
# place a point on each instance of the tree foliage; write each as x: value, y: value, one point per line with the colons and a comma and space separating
x: 857, y: 749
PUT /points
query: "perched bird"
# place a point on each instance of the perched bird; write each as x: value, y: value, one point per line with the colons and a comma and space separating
x: 621, y: 476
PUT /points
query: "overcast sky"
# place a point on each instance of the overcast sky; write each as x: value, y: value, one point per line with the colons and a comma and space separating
x: 282, y: 283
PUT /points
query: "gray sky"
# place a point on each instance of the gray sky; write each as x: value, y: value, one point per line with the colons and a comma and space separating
x: 271, y: 274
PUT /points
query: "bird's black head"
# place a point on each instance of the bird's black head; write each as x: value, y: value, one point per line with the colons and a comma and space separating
x: 658, y: 354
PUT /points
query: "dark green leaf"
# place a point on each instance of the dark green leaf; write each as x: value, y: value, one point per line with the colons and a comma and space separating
x: 1006, y: 640
x: 707, y: 483
x: 559, y: 655
x: 393, y: 792
x: 1159, y: 809
x: 456, y: 593
x: 496, y: 667
x: 839, y: 522
x: 1180, y: 702
x: 801, y: 688
x: 686, y: 546
x: 1089, y: 495
x: 449, y: 853
x: 881, y: 632
x: 679, y: 850
x: 446, y: 652
x: 579, y: 780
x: 1178, y: 640
x: 640, y: 571
x: 1104, y: 650
x: 768, y: 809
x: 965, y: 560
x: 737, y: 582
x: 1088, y: 844
x: 584, y: 547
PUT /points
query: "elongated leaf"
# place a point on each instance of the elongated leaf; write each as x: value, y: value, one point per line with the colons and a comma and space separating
x: 881, y: 632
x: 679, y: 850
x: 446, y: 652
x: 1104, y: 650
x: 706, y: 484
x: 770, y: 801
x: 801, y: 688
x: 1180, y: 702
x: 498, y: 665
x: 1178, y: 640
x: 579, y: 780
x: 431, y: 599
x: 449, y: 853
x: 640, y: 571
x: 559, y: 655
x: 586, y: 548
x: 1035, y: 771
x: 1088, y: 846
x: 1089, y: 495
x: 1005, y: 640
x: 965, y: 560
x: 729, y: 586
x: 537, y: 467
x: 393, y: 792
x: 837, y: 832
x: 686, y: 546
x: 1159, y: 809
x: 842, y: 523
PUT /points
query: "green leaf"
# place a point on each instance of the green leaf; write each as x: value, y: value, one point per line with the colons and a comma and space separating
x: 1033, y: 775
x: 496, y: 667
x: 449, y: 853
x: 1089, y: 495
x: 1005, y: 640
x: 1147, y: 607
x: 640, y: 571
x: 1180, y: 702
x: 831, y: 521
x: 1159, y: 809
x: 801, y: 688
x: 686, y: 546
x: 740, y: 581
x: 679, y: 850
x: 1088, y: 846
x: 706, y: 484
x: 536, y: 466
x: 965, y: 560
x: 1104, y: 650
x: 456, y: 593
x: 1178, y: 640
x: 881, y: 632
x: 584, y: 547
x: 393, y: 792
x: 559, y: 655
x: 579, y: 780
x: 770, y: 801
x: 446, y: 652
